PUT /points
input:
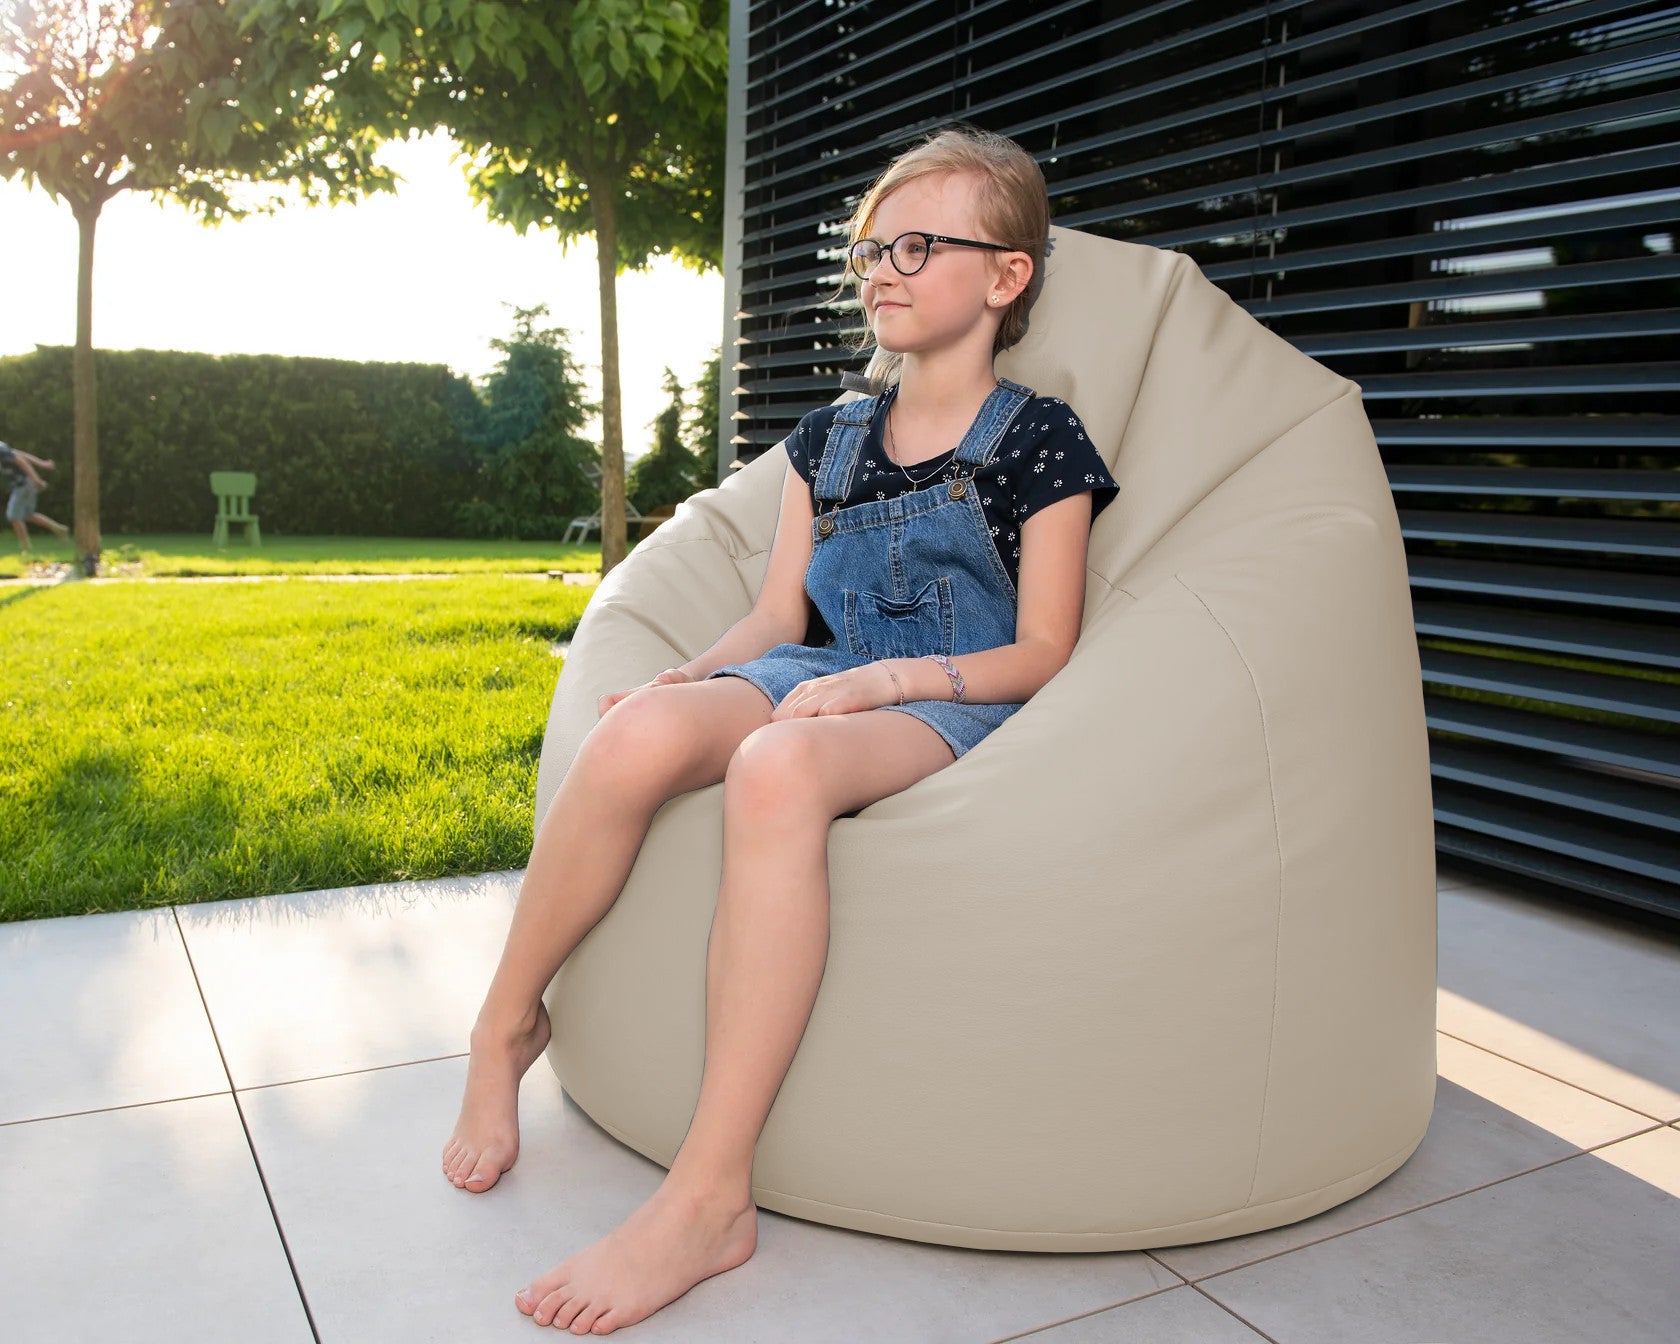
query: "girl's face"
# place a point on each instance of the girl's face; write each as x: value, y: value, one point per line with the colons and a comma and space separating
x: 944, y: 303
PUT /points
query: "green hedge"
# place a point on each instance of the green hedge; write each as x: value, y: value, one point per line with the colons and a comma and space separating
x: 338, y: 447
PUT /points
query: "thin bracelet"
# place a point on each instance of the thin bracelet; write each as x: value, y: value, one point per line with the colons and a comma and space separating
x: 896, y: 682
x: 958, y: 691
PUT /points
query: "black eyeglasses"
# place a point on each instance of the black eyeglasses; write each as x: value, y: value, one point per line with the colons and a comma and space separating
x: 909, y: 251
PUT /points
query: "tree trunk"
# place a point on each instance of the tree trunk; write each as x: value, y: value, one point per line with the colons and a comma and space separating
x: 613, y: 545
x: 85, y: 399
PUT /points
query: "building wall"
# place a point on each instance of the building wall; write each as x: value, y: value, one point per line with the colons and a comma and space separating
x: 1468, y: 208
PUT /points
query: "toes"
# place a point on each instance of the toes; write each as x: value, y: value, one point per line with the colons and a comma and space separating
x: 484, y: 1176
x: 550, y: 1306
x: 585, y: 1320
x: 605, y: 1324
x: 550, y: 1290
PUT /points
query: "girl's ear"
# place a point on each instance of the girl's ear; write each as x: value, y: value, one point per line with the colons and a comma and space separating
x: 1014, y: 274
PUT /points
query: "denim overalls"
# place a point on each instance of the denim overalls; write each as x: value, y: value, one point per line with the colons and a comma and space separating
x: 903, y: 577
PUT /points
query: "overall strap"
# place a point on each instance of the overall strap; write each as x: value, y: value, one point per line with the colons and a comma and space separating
x: 1000, y: 407
x: 845, y: 444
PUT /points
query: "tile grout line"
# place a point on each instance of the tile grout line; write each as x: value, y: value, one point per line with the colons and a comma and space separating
x: 1032, y: 1330
x: 1227, y: 1307
x: 1419, y: 1208
x: 222, y: 1092
x: 244, y: 1125
x: 1521, y: 1064
x: 352, y: 1073
x: 122, y: 1106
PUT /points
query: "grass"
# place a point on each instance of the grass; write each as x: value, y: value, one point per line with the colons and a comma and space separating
x: 186, y: 555
x: 191, y: 742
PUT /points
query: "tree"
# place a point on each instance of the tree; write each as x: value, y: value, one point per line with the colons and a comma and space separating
x: 703, y: 422
x: 182, y: 99
x: 670, y: 471
x: 530, y: 478
x: 603, y: 117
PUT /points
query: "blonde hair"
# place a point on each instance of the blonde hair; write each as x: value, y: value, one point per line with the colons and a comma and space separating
x: 1012, y: 207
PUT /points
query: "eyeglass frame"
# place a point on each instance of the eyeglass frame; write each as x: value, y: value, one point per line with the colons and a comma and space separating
x: 852, y: 257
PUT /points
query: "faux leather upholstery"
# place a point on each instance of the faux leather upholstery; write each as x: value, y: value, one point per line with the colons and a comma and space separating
x: 1212, y: 1013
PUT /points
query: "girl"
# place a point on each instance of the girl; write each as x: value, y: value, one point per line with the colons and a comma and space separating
x: 937, y: 533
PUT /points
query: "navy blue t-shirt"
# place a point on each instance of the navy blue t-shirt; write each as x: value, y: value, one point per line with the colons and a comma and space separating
x: 1045, y: 455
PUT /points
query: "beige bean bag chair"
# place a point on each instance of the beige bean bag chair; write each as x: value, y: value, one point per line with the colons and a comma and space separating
x: 1210, y: 1012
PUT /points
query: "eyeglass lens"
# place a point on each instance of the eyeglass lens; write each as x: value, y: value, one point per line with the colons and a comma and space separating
x: 909, y: 254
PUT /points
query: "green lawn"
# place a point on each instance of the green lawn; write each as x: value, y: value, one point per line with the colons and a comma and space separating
x: 179, y: 742
x: 188, y: 554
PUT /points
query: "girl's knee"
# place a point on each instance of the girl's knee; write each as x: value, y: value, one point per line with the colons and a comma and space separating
x: 653, y: 742
x: 776, y: 769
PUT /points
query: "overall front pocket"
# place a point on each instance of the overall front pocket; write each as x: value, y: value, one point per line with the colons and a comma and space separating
x: 889, y: 627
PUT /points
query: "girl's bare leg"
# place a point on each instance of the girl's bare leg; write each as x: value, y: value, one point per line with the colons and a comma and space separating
x: 764, y: 965
x: 649, y: 748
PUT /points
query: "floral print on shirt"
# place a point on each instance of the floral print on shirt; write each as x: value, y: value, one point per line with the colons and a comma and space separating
x: 1046, y: 455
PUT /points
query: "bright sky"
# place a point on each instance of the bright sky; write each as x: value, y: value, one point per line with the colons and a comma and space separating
x: 418, y: 276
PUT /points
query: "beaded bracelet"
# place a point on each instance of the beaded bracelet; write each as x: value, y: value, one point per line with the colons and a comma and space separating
x: 958, y: 692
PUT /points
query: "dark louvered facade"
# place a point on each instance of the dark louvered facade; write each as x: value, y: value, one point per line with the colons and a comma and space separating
x: 1468, y: 208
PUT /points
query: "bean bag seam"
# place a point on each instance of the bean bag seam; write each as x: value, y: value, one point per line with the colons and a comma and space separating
x: 1277, y: 840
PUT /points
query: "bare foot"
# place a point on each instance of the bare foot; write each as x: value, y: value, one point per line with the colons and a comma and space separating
x: 486, y: 1138
x: 660, y: 1251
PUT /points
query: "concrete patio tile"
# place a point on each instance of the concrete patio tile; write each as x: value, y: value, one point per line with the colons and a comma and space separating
x: 1580, y: 1250
x: 1576, y: 993
x: 320, y: 982
x: 387, y: 1249
x: 100, y: 1011
x: 142, y: 1224
x: 1176, y: 1316
x: 1492, y: 1120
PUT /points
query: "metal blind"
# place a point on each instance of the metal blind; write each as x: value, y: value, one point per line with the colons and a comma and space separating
x: 1468, y: 208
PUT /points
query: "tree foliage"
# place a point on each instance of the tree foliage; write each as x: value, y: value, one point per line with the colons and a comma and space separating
x: 531, y: 473
x: 184, y: 99
x: 338, y: 446
x: 181, y: 99
x: 670, y: 471
x: 600, y: 117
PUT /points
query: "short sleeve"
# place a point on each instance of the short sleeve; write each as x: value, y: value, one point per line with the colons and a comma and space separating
x: 798, y: 450
x: 1055, y: 459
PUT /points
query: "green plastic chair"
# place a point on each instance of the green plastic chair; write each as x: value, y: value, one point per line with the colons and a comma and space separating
x: 233, y: 491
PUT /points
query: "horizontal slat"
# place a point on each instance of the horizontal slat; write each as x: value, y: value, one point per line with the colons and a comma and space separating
x: 1554, y: 831
x: 1573, y: 636
x: 1535, y: 431
x: 1634, y: 697
x: 1503, y: 857
x: 1524, y: 777
x: 1573, y: 218
x: 1535, y: 380
x: 1646, y: 161
x: 1586, y: 275
x: 1537, y: 482
x: 1590, y: 536
x: 1589, y: 588
x: 1486, y: 332
x: 1531, y: 731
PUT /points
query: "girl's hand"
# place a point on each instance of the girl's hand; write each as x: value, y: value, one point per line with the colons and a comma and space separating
x: 671, y: 676
x: 847, y: 692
